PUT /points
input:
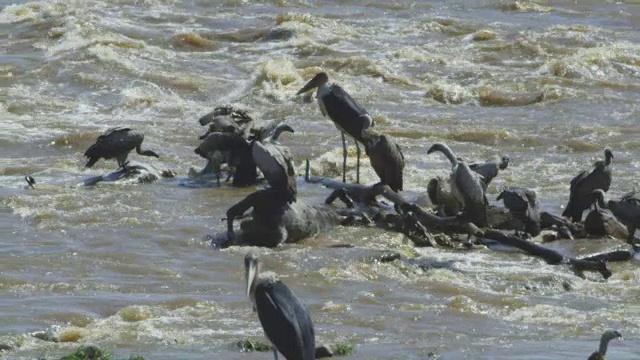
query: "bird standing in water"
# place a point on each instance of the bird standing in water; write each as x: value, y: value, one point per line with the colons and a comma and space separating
x: 116, y: 143
x: 348, y: 116
x: 285, y: 321
x: 604, y: 343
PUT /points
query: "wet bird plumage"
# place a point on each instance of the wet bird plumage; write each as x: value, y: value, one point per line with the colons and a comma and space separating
x: 466, y: 186
x: 523, y: 204
x: 583, y: 184
x: 601, y: 221
x: 30, y: 181
x: 627, y: 210
x: 606, y: 337
x: 276, y: 163
x: 440, y: 193
x: 386, y: 158
x: 285, y: 320
x: 347, y: 115
x: 227, y: 119
x: 116, y: 143
x: 489, y: 170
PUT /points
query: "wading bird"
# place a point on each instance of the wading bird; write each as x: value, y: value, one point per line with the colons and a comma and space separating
x: 30, y: 181
x: 285, y: 321
x: 466, y: 186
x: 584, y: 183
x: 348, y: 116
x: 523, y: 205
x: 604, y: 343
x: 386, y: 158
x: 489, y: 170
x: 116, y: 143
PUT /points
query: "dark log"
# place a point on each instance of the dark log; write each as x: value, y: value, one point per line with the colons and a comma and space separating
x: 548, y: 221
x: 552, y: 257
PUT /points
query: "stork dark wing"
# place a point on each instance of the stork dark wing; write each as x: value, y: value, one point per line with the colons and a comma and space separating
x: 285, y: 321
x: 345, y: 112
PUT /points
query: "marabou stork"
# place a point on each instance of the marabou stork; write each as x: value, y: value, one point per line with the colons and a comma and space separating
x: 348, y: 116
x: 285, y: 321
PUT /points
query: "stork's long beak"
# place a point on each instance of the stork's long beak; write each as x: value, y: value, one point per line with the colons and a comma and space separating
x: 250, y: 274
x: 312, y: 84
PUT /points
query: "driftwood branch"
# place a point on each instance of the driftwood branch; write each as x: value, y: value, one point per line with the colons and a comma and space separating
x: 552, y: 257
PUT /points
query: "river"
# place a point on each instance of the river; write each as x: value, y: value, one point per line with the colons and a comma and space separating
x: 126, y: 267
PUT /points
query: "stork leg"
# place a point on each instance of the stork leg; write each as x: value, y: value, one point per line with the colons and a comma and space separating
x: 344, y: 159
x: 357, y: 162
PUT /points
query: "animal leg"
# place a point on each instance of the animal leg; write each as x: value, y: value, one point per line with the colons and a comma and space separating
x: 344, y: 159
x: 122, y: 161
x: 275, y: 354
x: 237, y: 210
x: 632, y: 230
x: 342, y: 195
x: 357, y: 162
x: 230, y: 174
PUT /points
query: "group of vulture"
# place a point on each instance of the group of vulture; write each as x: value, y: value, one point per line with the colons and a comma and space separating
x: 458, y: 203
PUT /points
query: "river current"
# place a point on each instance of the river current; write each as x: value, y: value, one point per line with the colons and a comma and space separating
x: 126, y: 266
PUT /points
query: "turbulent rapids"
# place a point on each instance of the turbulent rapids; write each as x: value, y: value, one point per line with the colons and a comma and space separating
x: 452, y: 180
